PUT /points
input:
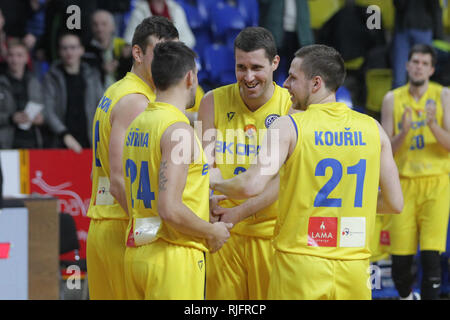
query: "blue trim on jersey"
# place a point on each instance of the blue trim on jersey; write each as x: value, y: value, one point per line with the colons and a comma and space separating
x: 295, y: 125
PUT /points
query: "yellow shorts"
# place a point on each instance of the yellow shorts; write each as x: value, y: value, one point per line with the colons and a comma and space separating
x: 380, y: 242
x: 424, y: 218
x: 104, y: 257
x: 302, y: 277
x: 240, y: 270
x: 164, y: 271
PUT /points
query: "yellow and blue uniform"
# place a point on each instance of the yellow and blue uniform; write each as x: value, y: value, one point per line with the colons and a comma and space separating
x: 328, y: 197
x: 105, y: 243
x: 241, y: 269
x: 423, y: 166
x: 161, y: 262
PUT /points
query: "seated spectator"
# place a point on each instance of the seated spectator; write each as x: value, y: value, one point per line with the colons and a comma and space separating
x: 72, y: 90
x: 110, y: 54
x: 18, y: 87
x: 166, y: 8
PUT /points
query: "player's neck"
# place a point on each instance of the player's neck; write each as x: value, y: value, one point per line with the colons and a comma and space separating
x: 323, y: 98
x: 173, y: 97
x: 418, y: 91
x: 255, y: 104
x: 140, y: 72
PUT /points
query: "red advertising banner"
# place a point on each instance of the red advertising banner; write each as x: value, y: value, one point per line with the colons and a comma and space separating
x: 65, y: 175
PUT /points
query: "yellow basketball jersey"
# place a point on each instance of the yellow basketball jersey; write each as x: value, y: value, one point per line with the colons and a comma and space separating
x: 329, y: 184
x: 142, y: 159
x: 236, y: 149
x: 103, y: 205
x: 420, y: 154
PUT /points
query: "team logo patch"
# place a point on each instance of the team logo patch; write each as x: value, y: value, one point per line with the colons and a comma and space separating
x: 270, y: 118
x: 200, y: 264
x: 250, y: 130
x: 322, y: 232
x: 230, y: 115
x: 353, y: 232
x: 420, y: 112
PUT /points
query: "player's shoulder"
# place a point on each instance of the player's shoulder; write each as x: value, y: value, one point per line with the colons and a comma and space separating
x: 445, y: 93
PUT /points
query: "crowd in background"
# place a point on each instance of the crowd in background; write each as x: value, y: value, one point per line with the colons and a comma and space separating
x: 57, y: 75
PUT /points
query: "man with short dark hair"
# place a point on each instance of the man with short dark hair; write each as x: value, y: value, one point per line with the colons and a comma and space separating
x: 331, y: 161
x: 72, y: 90
x: 168, y: 193
x: 18, y: 87
x: 241, y: 269
x: 416, y: 117
x: 120, y: 104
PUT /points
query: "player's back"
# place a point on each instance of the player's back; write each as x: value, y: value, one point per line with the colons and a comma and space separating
x: 329, y: 184
x: 142, y: 160
x: 103, y: 205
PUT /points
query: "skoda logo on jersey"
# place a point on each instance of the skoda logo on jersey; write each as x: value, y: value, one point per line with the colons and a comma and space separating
x: 270, y: 118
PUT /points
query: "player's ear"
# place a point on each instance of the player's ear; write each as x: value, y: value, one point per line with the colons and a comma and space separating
x: 137, y: 53
x: 275, y: 62
x: 317, y: 83
x: 190, y: 78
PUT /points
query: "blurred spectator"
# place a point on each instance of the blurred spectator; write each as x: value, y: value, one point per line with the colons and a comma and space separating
x: 56, y: 24
x: 3, y: 43
x: 110, y: 54
x: 416, y: 21
x: 36, y: 24
x: 166, y: 8
x: 72, y: 90
x: 16, y: 13
x: 289, y: 22
x: 120, y: 9
x: 18, y: 87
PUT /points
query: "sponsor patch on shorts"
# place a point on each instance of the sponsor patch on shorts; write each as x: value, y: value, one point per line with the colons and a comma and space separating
x: 322, y: 231
x: 104, y: 197
x: 385, y: 238
x: 353, y: 232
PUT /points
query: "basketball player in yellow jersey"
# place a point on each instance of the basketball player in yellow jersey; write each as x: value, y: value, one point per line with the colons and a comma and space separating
x: 167, y: 187
x: 241, y: 269
x: 416, y: 117
x: 121, y: 103
x: 332, y: 161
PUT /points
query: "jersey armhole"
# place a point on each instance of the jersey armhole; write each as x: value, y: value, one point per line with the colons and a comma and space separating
x: 295, y: 125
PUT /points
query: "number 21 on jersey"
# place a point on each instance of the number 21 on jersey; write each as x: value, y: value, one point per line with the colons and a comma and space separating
x: 321, y: 199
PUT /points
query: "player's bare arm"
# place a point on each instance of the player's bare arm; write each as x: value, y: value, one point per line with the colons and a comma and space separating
x: 125, y: 111
x: 387, y: 121
x: 172, y: 181
x: 390, y: 198
x: 442, y: 134
x: 208, y: 134
x: 251, y: 206
x: 277, y: 146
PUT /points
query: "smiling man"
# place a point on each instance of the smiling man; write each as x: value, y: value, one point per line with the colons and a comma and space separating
x: 241, y: 269
x: 417, y: 119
